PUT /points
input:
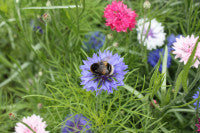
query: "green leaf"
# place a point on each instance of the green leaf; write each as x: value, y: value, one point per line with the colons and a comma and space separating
x: 178, y: 83
x: 134, y: 91
x: 154, y: 75
x: 186, y: 104
x: 164, y: 71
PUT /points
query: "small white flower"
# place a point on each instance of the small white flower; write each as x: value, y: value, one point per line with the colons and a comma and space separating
x: 48, y: 4
x: 110, y: 36
x: 147, y: 4
x: 115, y: 44
x: 40, y: 73
x: 155, y: 36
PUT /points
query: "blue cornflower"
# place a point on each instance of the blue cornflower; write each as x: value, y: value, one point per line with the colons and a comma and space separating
x: 154, y: 57
x: 195, y: 97
x: 94, y: 40
x: 171, y: 39
x: 36, y: 28
x: 99, y: 82
x: 76, y: 124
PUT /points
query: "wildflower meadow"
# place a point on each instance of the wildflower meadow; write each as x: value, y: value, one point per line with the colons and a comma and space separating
x: 99, y: 66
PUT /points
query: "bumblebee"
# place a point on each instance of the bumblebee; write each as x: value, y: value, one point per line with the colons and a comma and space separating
x: 102, y: 68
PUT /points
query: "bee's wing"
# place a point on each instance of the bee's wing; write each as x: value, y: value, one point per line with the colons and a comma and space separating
x: 106, y: 59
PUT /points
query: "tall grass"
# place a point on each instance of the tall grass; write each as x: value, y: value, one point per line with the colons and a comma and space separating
x: 44, y: 68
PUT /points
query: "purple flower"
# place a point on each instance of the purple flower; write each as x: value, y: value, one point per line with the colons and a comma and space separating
x: 171, y: 39
x: 94, y: 40
x: 195, y: 97
x: 76, y: 124
x: 36, y: 28
x: 98, y: 82
x: 154, y: 57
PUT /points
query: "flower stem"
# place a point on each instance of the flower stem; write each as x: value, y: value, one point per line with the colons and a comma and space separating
x: 164, y: 71
x: 46, y: 37
x: 134, y: 91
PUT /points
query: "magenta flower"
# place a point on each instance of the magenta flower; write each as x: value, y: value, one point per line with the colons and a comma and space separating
x: 119, y: 17
x: 34, y: 122
x: 183, y: 48
x: 198, y: 125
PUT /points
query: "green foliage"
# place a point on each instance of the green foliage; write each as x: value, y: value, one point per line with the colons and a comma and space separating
x: 43, y: 69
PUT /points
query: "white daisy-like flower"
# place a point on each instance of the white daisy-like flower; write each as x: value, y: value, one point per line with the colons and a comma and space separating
x: 155, y: 37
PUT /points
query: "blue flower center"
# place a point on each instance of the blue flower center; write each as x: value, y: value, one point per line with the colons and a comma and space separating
x: 101, y: 79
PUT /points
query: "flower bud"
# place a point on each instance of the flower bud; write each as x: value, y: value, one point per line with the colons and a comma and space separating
x: 48, y: 3
x: 40, y: 73
x: 12, y: 115
x: 147, y: 4
x: 39, y: 106
x: 115, y: 44
x: 46, y: 17
x: 155, y: 102
x: 110, y: 36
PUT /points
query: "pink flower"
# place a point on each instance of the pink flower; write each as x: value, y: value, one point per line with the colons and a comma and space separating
x: 119, y: 17
x: 183, y: 48
x: 198, y: 125
x: 34, y: 122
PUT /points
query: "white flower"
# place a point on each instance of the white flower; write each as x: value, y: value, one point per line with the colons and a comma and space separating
x: 155, y: 36
x: 147, y: 4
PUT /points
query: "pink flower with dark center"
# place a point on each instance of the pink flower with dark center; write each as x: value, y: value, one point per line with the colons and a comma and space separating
x: 34, y: 122
x: 183, y: 48
x: 119, y: 17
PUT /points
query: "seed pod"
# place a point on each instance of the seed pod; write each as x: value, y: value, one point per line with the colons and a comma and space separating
x: 46, y: 17
x: 12, y: 115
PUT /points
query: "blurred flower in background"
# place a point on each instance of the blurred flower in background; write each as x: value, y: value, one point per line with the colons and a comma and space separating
x: 76, y: 124
x: 183, y: 48
x: 103, y: 82
x: 34, y: 122
x: 147, y: 4
x: 171, y: 39
x: 36, y: 27
x: 12, y: 115
x: 46, y: 17
x: 110, y: 36
x: 195, y: 96
x: 198, y: 125
x: 115, y: 44
x: 154, y: 57
x: 119, y: 17
x: 94, y: 40
x: 39, y: 106
x: 155, y: 36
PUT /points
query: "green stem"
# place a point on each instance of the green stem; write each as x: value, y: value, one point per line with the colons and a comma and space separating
x: 46, y: 37
x: 164, y: 71
x: 98, y: 103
